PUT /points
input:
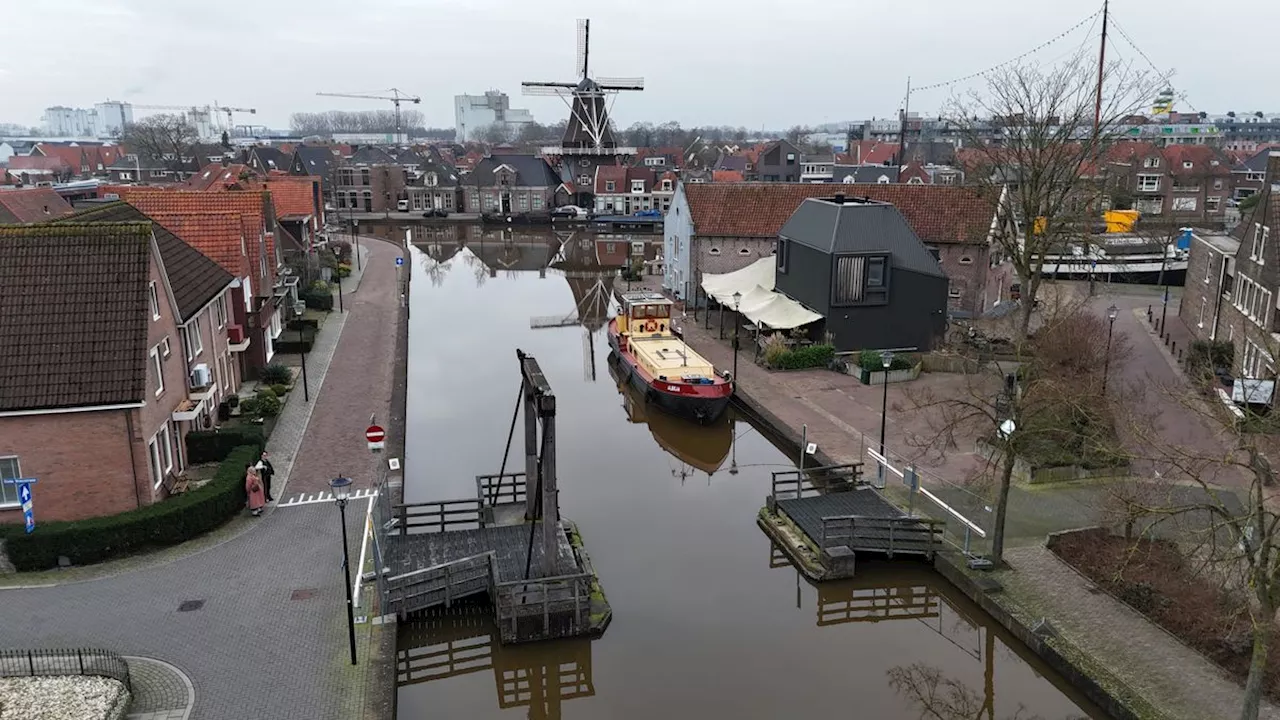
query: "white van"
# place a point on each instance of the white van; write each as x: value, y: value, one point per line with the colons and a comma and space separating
x: 402, y: 205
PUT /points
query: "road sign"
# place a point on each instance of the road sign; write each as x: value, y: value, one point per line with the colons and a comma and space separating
x: 24, y: 494
x: 28, y: 511
x: 399, y: 261
x: 376, y: 437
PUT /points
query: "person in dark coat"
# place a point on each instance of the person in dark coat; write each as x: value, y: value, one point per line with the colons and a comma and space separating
x: 266, y: 471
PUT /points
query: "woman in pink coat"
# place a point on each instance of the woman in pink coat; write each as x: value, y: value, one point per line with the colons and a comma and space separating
x: 253, y: 487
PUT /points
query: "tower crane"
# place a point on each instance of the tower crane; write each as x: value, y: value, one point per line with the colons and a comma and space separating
x: 395, y: 97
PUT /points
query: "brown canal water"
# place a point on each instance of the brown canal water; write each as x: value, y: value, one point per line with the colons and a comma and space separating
x: 708, y: 619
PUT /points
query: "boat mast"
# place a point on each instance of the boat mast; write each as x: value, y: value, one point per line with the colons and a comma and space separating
x: 1102, y: 59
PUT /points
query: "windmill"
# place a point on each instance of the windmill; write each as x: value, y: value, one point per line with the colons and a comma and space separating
x: 591, y: 282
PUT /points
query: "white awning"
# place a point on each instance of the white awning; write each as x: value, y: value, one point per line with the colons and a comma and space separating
x: 758, y: 302
x: 722, y: 287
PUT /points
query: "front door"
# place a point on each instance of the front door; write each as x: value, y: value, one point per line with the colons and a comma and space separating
x: 437, y: 201
x: 506, y: 203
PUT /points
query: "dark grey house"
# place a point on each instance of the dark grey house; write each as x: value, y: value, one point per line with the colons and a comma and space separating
x: 860, y: 265
x: 779, y: 162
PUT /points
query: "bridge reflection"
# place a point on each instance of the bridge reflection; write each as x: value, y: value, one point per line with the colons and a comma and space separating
x: 463, y: 640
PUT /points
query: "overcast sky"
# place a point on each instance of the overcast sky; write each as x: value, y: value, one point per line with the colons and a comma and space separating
x: 736, y: 62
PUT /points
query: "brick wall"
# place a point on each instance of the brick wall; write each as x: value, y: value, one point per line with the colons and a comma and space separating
x: 1200, y: 296
x: 82, y: 464
x: 966, y: 267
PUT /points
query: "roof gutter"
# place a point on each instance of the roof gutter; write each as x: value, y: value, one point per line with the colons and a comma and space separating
x: 59, y: 411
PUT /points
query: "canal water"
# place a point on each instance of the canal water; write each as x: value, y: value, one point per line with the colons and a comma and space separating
x: 708, y: 619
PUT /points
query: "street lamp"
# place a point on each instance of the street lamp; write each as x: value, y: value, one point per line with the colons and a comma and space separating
x: 1106, y: 362
x: 302, y: 349
x: 355, y: 239
x: 341, y: 487
x: 886, y: 358
x: 737, y: 326
x: 341, y: 308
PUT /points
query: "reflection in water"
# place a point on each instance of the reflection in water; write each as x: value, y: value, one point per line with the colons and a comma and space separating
x: 538, y: 676
x: 702, y: 447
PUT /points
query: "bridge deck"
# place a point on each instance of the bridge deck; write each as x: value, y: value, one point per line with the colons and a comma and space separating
x: 509, y: 543
x: 807, y: 514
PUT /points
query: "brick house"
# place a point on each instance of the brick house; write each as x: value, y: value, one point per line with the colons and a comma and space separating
x: 100, y: 395
x: 235, y: 228
x: 28, y: 205
x: 371, y: 180
x: 622, y: 190
x: 1186, y: 184
x: 722, y: 227
x: 1232, y: 290
x: 438, y: 186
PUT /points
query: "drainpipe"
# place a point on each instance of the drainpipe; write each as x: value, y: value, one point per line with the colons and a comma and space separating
x: 133, y: 463
x: 1217, y: 304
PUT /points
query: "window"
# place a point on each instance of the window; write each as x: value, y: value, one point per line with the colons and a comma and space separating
x: 157, y: 370
x: 860, y: 279
x: 165, y: 440
x: 9, y: 470
x: 585, y: 162
x: 1151, y: 162
x: 522, y: 202
x: 432, y: 179
x: 584, y: 180
x: 609, y: 186
x: 783, y: 246
x: 1203, y: 303
x: 966, y: 260
x: 194, y: 341
x: 364, y: 176
x: 220, y: 310
x: 666, y: 185
x: 953, y: 292
x: 1212, y: 204
x: 1217, y: 184
x: 637, y: 187
x: 537, y: 201
x: 713, y: 251
x: 276, y: 328
x: 883, y: 180
x: 1259, y: 247
x: 1208, y: 270
x: 744, y: 251
x: 791, y: 158
x: 1187, y: 164
x: 155, y: 301
x: 153, y: 456
x: 1149, y: 183
x: 165, y: 351
x: 126, y: 176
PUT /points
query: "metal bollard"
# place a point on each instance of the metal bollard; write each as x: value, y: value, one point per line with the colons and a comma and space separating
x: 1148, y: 314
x: 1174, y: 347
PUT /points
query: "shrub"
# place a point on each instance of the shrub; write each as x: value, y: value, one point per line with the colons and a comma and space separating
x: 873, y: 361
x: 276, y: 374
x: 249, y: 407
x: 774, y: 348
x: 343, y: 271
x: 215, y: 445
x: 303, y: 324
x: 165, y: 523
x: 292, y: 342
x: 268, y: 404
x: 813, y: 356
x: 342, y: 247
x: 280, y: 390
x: 318, y: 300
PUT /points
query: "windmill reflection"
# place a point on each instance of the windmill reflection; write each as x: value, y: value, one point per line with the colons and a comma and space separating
x: 590, y: 266
x: 538, y: 676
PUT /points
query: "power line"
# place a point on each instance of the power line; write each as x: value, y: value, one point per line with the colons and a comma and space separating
x: 1163, y: 74
x: 1016, y: 58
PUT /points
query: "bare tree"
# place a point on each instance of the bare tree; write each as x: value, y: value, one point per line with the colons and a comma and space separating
x: 496, y: 134
x: 1047, y: 401
x: 938, y: 697
x: 1032, y: 143
x: 168, y: 138
x: 1237, y: 533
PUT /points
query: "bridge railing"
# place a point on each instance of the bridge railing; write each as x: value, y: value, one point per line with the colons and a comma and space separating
x: 503, y: 489
x: 438, y: 584
x: 791, y: 484
x: 916, y: 536
x: 541, y: 608
x: 440, y: 515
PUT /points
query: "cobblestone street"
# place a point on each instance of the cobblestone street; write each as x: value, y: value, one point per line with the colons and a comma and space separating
x: 257, y: 622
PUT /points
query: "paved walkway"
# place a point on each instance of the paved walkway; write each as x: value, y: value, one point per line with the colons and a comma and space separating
x: 1149, y: 660
x: 258, y: 622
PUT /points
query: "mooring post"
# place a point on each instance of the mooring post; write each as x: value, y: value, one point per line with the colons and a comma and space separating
x: 530, y: 452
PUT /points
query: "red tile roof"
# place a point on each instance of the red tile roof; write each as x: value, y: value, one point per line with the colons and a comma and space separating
x: 1201, y: 158
x: 38, y: 162
x: 868, y: 152
x: 617, y: 174
x: 726, y: 176
x: 31, y: 205
x: 293, y: 195
x: 937, y: 213
x: 216, y: 176
x: 73, y: 156
x: 216, y: 235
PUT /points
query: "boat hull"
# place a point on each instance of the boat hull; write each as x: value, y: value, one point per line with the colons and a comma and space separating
x: 703, y: 408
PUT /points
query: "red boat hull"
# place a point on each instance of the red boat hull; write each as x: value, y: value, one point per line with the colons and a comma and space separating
x: 702, y: 403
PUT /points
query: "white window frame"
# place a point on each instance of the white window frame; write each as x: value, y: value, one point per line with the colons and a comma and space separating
x: 154, y: 297
x: 1204, y: 303
x: 1151, y: 162
x: 5, y: 490
x: 609, y: 186
x: 1208, y: 270
x: 158, y: 364
x: 165, y: 349
x: 1148, y: 183
x: 194, y: 340
x: 220, y: 310
x: 1258, y: 247
x: 153, y: 459
x: 637, y: 187
x: 1212, y: 203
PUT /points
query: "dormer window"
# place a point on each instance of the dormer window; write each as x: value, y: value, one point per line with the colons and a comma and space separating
x: 1187, y: 164
x: 432, y: 179
x: 637, y: 187
x: 609, y: 186
x: 666, y: 184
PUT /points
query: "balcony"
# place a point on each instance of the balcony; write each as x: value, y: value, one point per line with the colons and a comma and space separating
x: 202, y: 393
x: 188, y: 410
x: 237, y: 340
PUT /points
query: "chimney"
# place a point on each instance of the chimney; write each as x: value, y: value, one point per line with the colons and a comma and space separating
x: 839, y: 199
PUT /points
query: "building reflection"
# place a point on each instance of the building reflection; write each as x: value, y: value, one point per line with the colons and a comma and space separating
x: 538, y: 676
x: 701, y: 448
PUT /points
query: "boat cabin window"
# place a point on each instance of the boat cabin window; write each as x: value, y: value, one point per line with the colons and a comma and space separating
x: 651, y: 311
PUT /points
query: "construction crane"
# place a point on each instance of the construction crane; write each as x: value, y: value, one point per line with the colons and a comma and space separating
x: 195, y: 109
x: 229, y: 110
x: 395, y: 97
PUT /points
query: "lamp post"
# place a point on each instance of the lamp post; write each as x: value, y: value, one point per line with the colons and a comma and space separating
x: 737, y: 326
x: 886, y: 358
x: 302, y: 353
x: 355, y: 239
x: 1106, y: 362
x: 341, y: 491
x: 341, y: 307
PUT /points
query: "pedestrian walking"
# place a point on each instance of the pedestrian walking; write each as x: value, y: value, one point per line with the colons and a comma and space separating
x: 266, y: 472
x: 253, y: 488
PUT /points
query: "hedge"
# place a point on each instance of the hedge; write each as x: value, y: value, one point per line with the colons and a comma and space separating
x: 292, y: 342
x: 165, y: 523
x: 813, y: 356
x: 317, y: 300
x: 215, y: 445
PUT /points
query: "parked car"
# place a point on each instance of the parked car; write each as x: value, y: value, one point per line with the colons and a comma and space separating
x: 648, y: 213
x: 569, y: 212
x: 402, y: 206
x: 436, y: 213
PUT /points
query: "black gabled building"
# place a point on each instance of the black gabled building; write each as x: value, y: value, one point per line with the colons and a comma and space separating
x: 860, y: 265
